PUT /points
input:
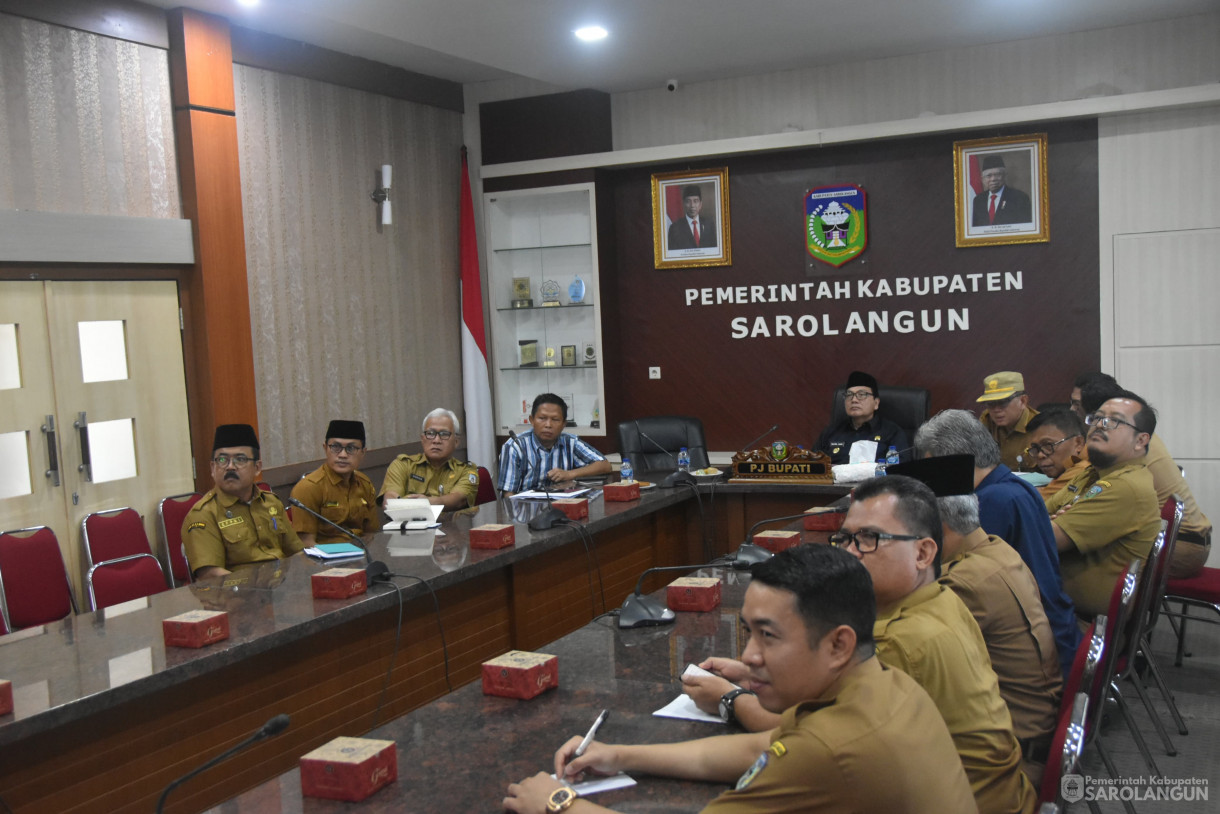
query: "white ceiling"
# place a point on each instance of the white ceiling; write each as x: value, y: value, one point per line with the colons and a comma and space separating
x: 654, y: 40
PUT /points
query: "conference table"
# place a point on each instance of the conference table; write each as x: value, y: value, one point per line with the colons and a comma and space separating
x: 106, y: 715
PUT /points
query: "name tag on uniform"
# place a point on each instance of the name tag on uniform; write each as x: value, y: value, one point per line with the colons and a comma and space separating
x: 330, y: 504
x: 232, y: 521
x: 419, y: 478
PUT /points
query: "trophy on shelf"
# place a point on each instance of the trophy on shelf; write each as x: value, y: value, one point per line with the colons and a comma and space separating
x: 576, y: 291
x: 568, y: 356
x: 570, y: 400
x: 590, y: 353
x: 550, y: 294
x: 596, y: 421
x: 529, y: 352
x: 550, y: 357
x: 521, y: 293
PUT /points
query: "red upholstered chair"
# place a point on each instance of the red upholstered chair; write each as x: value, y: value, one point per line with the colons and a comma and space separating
x: 112, y: 534
x: 34, y: 586
x: 487, y: 487
x: 1067, y: 745
x: 1199, y: 591
x: 170, y: 513
x: 124, y: 579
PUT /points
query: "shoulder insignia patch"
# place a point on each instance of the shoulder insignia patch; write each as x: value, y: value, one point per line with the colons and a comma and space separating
x: 746, y: 779
x: 1094, y: 490
x: 473, y: 478
x: 232, y: 521
x: 194, y: 526
x: 1103, y: 483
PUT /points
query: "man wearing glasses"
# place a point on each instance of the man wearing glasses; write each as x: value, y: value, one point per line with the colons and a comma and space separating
x: 236, y: 523
x: 337, y: 489
x: 1108, y: 515
x: 1056, y: 448
x: 862, y: 424
x: 1006, y: 415
x: 434, y: 473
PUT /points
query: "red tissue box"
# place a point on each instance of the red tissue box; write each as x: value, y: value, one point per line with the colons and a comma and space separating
x: 520, y: 674
x: 195, y: 628
x: 6, y: 697
x: 493, y: 535
x: 576, y: 508
x: 348, y: 768
x: 693, y: 594
x: 777, y: 541
x: 621, y: 492
x: 339, y: 583
x: 824, y: 518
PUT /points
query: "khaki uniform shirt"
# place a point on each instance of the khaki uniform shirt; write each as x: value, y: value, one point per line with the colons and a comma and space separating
x: 993, y: 581
x: 413, y: 475
x: 1113, y: 519
x: 932, y: 637
x: 352, y: 505
x: 1012, y: 440
x: 1167, y: 480
x: 877, y: 745
x: 224, y: 531
x: 1049, y: 490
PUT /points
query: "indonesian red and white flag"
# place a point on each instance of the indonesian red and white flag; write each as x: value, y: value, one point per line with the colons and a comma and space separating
x: 476, y: 389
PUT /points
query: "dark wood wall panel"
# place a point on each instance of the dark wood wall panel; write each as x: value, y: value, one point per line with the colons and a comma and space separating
x: 549, y: 126
x: 1049, y: 329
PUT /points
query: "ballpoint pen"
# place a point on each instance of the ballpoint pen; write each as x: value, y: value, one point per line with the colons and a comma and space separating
x: 588, y: 739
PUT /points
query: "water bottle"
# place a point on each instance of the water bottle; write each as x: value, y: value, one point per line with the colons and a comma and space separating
x: 625, y: 472
x: 683, y: 460
x: 891, y: 455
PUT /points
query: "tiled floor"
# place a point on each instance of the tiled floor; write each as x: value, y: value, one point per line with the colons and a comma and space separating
x: 1196, y: 687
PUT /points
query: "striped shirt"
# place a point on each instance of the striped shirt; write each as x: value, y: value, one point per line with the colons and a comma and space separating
x: 569, y: 452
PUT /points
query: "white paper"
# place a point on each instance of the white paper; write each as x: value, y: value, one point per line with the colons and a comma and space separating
x: 683, y: 706
x: 862, y: 452
x: 596, y: 785
x: 322, y: 555
x: 538, y: 495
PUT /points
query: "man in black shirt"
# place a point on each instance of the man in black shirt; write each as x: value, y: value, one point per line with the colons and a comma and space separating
x: 861, y: 402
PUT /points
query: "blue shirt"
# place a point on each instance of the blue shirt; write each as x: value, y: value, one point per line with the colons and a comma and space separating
x: 1013, y: 510
x: 569, y: 452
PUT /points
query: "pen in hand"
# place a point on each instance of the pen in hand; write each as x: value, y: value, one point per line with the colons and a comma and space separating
x: 588, y: 738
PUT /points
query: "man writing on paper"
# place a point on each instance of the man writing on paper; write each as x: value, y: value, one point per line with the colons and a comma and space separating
x: 236, y: 523
x: 434, y: 473
x: 862, y: 427
x: 551, y: 454
x: 847, y: 720
x: 337, y: 489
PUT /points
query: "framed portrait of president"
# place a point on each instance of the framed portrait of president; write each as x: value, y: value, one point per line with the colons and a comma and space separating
x: 690, y: 218
x: 1000, y: 192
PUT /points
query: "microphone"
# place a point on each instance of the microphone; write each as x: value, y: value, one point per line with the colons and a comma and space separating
x: 550, y: 516
x: 377, y: 571
x: 639, y: 610
x: 270, y: 729
x: 675, y: 478
x: 750, y: 445
x: 748, y: 553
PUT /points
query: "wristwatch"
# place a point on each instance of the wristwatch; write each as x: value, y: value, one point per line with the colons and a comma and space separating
x: 728, y: 700
x: 561, y: 799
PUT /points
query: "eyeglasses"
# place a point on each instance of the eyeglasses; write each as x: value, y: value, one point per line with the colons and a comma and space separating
x: 350, y: 449
x: 858, y: 395
x: 1046, y: 449
x: 239, y: 461
x: 432, y: 435
x: 866, y: 541
x: 1108, y: 422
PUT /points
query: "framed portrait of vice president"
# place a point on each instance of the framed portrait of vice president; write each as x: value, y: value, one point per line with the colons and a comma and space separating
x: 690, y: 218
x: 1000, y: 191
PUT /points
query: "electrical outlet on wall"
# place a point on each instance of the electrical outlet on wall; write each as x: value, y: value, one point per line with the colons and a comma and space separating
x: 654, y: 372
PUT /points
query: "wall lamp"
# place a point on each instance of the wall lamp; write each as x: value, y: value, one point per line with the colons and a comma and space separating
x: 382, y: 195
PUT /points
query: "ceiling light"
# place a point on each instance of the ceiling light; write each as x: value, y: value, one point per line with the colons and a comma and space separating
x: 250, y: 3
x: 591, y: 33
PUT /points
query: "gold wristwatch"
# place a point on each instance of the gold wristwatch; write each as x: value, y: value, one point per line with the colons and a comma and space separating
x: 561, y: 799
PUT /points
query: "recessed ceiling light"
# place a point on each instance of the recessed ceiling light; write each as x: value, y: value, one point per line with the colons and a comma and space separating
x: 591, y: 33
x: 250, y: 3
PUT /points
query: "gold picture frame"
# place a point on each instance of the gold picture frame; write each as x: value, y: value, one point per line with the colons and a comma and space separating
x: 673, y: 242
x: 1007, y: 166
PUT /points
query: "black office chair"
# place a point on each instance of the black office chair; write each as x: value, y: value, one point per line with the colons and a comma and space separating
x: 906, y: 406
x: 652, y: 443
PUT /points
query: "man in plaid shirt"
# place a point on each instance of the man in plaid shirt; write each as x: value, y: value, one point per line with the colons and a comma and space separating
x: 551, y: 455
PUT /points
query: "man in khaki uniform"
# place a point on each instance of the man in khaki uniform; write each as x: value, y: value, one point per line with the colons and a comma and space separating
x: 434, y: 473
x: 1108, y: 515
x: 1006, y: 415
x: 236, y: 523
x: 854, y: 736
x: 923, y: 629
x: 337, y: 489
x: 1002, y: 596
x: 1056, y: 448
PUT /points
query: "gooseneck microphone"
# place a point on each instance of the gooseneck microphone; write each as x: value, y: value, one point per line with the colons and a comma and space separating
x: 550, y: 516
x: 675, y: 478
x: 749, y: 553
x: 750, y: 445
x: 270, y: 729
x: 376, y: 570
x: 639, y: 610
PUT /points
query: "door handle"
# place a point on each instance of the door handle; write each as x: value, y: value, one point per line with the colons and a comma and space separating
x: 48, y: 429
x: 82, y: 426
